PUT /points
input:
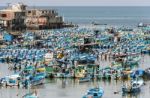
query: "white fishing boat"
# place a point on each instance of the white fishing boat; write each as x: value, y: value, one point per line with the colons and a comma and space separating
x: 12, y: 80
x: 133, y: 87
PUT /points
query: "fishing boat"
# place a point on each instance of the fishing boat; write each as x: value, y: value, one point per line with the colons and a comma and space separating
x: 85, y: 79
x: 36, y: 80
x: 133, y: 60
x: 63, y: 75
x: 30, y: 95
x: 142, y: 25
x: 96, y: 23
x: 137, y: 73
x: 33, y: 80
x: 94, y: 93
x: 147, y: 73
x: 133, y: 87
x: 12, y: 80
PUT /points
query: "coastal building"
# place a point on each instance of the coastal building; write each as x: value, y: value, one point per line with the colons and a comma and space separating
x: 43, y: 19
x: 13, y: 17
x: 18, y: 17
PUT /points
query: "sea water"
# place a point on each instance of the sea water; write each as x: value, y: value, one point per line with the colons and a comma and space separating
x: 112, y: 15
x: 125, y: 16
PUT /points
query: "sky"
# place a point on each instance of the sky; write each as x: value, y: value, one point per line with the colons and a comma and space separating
x: 79, y: 2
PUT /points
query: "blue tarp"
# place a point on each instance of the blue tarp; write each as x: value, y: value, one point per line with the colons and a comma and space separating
x: 8, y: 37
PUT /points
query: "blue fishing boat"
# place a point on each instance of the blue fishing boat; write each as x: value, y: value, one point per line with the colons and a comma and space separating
x: 30, y: 95
x: 137, y: 73
x: 36, y: 81
x: 33, y: 76
x: 94, y: 93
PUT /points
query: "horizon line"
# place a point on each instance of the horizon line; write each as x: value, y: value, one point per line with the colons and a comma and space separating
x: 84, y: 5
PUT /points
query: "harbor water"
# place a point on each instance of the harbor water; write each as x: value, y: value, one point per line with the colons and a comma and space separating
x: 70, y: 88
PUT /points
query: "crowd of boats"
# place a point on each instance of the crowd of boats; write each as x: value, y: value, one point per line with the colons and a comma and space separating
x: 76, y: 53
